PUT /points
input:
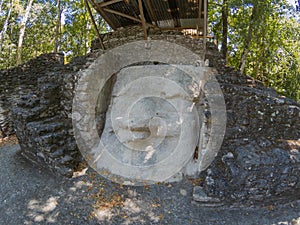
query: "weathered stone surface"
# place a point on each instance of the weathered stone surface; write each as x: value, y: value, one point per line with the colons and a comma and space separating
x: 135, y: 33
x: 259, y: 158
x: 18, y: 81
x: 199, y: 195
x: 148, y: 119
x: 166, y: 88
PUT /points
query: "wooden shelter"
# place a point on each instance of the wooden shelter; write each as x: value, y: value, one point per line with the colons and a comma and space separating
x: 163, y: 14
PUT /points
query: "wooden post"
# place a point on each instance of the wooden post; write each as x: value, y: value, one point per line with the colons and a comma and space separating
x: 205, y: 28
x: 94, y: 24
x: 199, y: 18
x: 143, y: 19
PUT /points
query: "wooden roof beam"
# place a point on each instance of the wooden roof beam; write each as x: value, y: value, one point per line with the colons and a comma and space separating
x: 102, y: 13
x: 103, y: 4
x: 125, y: 15
x: 178, y: 28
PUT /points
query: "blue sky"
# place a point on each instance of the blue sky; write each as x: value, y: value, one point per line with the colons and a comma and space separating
x: 292, y: 2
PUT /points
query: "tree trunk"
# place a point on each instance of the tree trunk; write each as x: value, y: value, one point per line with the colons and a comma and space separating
x: 22, y: 32
x: 248, y: 39
x: 58, y: 27
x: 224, y: 47
x: 1, y: 3
x: 5, y: 25
x: 88, y: 28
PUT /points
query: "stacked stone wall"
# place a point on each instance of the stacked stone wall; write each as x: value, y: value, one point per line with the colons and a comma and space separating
x: 21, y: 80
x: 260, y: 155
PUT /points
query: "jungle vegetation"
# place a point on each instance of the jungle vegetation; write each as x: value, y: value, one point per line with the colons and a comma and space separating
x: 260, y: 38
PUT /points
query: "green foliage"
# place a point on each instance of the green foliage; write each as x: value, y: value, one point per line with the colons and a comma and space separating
x: 274, y: 47
x: 76, y: 30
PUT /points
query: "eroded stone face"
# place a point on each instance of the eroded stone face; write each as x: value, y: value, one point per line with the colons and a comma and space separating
x: 151, y: 122
x: 152, y: 126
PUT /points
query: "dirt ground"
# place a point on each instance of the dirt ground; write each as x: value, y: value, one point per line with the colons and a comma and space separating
x: 31, y: 195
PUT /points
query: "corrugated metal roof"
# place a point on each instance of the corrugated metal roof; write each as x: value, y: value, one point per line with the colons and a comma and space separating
x: 168, y: 13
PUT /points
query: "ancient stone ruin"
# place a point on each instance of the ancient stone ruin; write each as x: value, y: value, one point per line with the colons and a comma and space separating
x: 260, y: 153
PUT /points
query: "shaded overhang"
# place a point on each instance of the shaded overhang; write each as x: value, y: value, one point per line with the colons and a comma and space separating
x: 164, y: 14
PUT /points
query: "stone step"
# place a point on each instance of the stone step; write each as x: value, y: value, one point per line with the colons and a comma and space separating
x: 45, y: 127
x: 50, y: 138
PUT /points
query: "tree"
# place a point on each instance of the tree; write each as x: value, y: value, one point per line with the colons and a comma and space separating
x: 40, y: 35
x: 30, y: 28
x: 1, y: 3
x: 78, y: 33
x: 22, y: 31
x: 5, y: 25
x: 224, y: 47
x: 262, y: 41
x: 248, y: 39
x: 58, y: 26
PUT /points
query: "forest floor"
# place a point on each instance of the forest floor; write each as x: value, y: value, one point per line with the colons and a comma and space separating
x: 31, y: 195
